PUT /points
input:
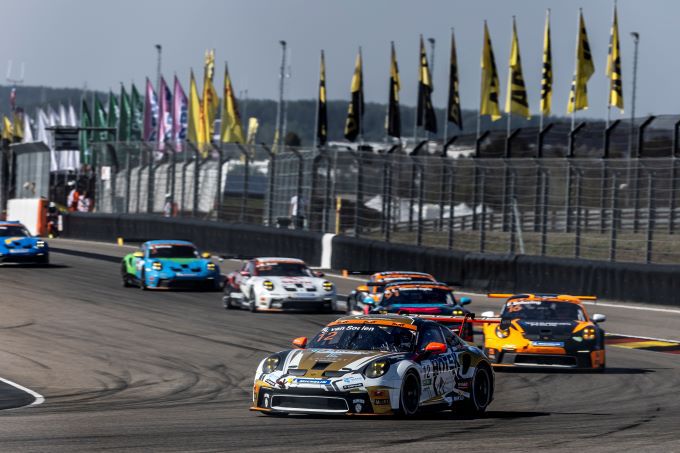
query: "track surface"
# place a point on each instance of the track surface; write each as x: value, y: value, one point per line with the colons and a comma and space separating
x: 172, y: 371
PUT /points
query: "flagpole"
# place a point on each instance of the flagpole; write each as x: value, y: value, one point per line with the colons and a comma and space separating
x: 431, y: 71
x: 361, y: 92
x: 576, y: 73
x: 540, y: 118
x: 446, y: 110
x: 509, y: 112
x: 316, y: 109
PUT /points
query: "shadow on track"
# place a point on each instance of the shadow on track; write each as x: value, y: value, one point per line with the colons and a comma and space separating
x: 539, y: 370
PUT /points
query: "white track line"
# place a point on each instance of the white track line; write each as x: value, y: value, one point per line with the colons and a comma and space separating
x: 642, y: 338
x: 39, y: 399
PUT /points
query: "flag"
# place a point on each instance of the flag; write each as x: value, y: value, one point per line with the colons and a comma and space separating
x: 165, y: 114
x: 232, y: 130
x: 195, y: 128
x: 28, y: 132
x: 490, y: 91
x: 453, y: 113
x: 253, y: 126
x: 211, y: 101
x: 42, y: 122
x: 18, y: 125
x: 179, y: 114
x: 113, y: 114
x: 125, y: 115
x: 7, y: 129
x: 72, y: 118
x: 425, y: 110
x: 321, y: 110
x: 85, y: 122
x: 516, y: 100
x: 100, y: 121
x: 136, y: 115
x: 63, y: 121
x: 150, y: 113
x: 578, y: 96
x: 355, y: 112
x: 393, y: 120
x: 614, y: 66
x: 546, y: 73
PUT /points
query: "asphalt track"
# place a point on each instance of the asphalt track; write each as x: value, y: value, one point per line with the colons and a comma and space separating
x: 134, y: 370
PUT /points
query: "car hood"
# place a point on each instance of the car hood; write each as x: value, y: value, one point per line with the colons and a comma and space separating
x: 318, y: 361
x: 544, y: 330
x: 18, y: 241
x: 294, y: 282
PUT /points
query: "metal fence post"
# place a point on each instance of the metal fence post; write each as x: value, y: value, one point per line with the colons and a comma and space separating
x: 637, y: 176
x: 452, y: 198
x: 577, y: 229
x: 246, y: 183
x: 387, y: 194
x: 149, y: 180
x: 128, y: 176
x: 270, y: 185
x: 475, y: 176
x: 421, y: 193
x: 538, y: 174
x: 603, y: 174
x: 512, y: 192
x: 444, y: 177
x: 570, y: 155
x: 482, y: 228
x: 328, y: 195
x: 185, y: 164
x: 320, y: 157
x: 541, y: 138
x: 197, y: 158
x: 359, y: 191
x: 412, y: 189
x: 545, y: 192
x: 673, y: 196
x: 219, y: 193
x: 651, y: 217
x: 505, y: 208
x: 300, y: 176
x: 614, y: 217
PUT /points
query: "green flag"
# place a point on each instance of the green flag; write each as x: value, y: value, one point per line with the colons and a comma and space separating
x: 100, y: 121
x: 85, y: 121
x: 137, y: 115
x: 125, y: 114
x: 113, y: 114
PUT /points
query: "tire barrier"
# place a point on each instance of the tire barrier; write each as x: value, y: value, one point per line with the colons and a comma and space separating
x: 649, y: 283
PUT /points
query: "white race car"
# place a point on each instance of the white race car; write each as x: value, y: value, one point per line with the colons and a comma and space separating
x: 277, y: 284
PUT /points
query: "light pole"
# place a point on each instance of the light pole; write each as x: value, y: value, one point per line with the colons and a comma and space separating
x: 636, y: 40
x: 432, y: 42
x: 279, y: 106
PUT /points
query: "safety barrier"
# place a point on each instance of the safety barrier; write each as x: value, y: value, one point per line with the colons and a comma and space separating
x: 648, y: 283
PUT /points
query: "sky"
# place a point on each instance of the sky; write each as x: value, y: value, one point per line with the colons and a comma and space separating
x: 73, y: 43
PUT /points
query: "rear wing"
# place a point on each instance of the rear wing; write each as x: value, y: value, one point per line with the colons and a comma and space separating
x: 467, y: 319
x: 538, y: 296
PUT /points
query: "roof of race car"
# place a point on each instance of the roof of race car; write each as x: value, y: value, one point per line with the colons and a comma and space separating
x: 168, y: 242
x: 10, y: 223
x: 543, y: 297
x: 408, y: 322
x: 268, y: 259
x: 399, y: 274
x: 422, y: 284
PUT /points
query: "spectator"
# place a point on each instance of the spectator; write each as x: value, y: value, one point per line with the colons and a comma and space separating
x: 84, y: 203
x: 297, y: 211
x: 169, y: 208
x: 73, y: 197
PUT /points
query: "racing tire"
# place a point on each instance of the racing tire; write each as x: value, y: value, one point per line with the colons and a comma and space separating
x: 142, y: 282
x: 409, y: 397
x: 481, y: 393
x: 274, y: 414
x: 252, y: 304
x: 226, y: 299
x: 349, y: 305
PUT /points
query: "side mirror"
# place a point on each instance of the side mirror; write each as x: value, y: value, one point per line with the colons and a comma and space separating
x: 300, y: 342
x: 318, y: 274
x: 244, y: 274
x: 435, y: 348
x: 362, y: 289
x: 488, y: 314
x: 465, y: 300
x: 138, y: 254
x: 598, y: 318
x: 205, y: 255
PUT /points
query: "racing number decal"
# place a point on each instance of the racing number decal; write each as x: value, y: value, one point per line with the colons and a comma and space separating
x: 328, y: 336
x: 514, y: 308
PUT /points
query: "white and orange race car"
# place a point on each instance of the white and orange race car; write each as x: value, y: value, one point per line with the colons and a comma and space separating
x: 277, y: 284
x: 544, y: 330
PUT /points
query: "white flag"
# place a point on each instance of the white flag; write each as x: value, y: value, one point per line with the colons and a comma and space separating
x: 28, y: 131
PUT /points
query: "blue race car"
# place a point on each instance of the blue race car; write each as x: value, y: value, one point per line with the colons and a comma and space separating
x: 170, y: 264
x: 17, y: 245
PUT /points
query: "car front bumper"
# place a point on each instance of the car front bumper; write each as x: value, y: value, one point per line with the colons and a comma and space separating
x: 31, y: 256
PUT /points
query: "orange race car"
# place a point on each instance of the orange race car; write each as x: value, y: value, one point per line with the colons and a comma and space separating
x: 369, y: 293
x: 545, y: 330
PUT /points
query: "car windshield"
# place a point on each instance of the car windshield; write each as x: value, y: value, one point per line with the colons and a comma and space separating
x: 365, y: 337
x: 13, y: 231
x: 543, y: 311
x: 173, y: 251
x: 283, y: 269
x: 416, y: 295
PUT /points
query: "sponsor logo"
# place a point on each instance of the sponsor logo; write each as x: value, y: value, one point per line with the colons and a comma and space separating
x: 349, y: 380
x: 270, y: 382
x: 351, y: 386
x: 554, y: 344
x: 312, y: 381
x: 381, y: 401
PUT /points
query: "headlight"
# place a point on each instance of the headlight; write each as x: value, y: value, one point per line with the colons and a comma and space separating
x: 210, y: 266
x: 502, y: 333
x: 156, y: 265
x: 268, y: 284
x: 327, y: 286
x: 457, y: 312
x: 589, y: 333
x: 270, y: 363
x: 40, y: 244
x: 377, y: 369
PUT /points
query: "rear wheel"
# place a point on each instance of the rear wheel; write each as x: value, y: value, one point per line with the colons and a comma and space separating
x: 252, y: 306
x: 409, y: 397
x: 142, y: 282
x: 227, y: 300
x: 481, y: 392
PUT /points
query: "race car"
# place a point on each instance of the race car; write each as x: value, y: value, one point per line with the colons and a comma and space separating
x: 277, y: 284
x: 369, y: 293
x: 375, y: 365
x: 545, y: 330
x: 18, y: 245
x: 170, y: 264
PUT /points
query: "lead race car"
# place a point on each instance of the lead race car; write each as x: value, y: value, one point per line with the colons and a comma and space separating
x: 375, y: 365
x: 170, y: 264
x: 18, y: 245
x: 277, y: 284
x: 368, y: 294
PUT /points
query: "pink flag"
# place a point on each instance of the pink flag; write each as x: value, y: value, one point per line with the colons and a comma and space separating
x: 180, y: 114
x: 165, y: 116
x: 150, y: 114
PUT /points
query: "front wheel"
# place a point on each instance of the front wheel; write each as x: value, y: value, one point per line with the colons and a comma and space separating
x: 481, y: 393
x: 142, y: 282
x: 227, y: 300
x: 409, y: 397
x: 253, y: 303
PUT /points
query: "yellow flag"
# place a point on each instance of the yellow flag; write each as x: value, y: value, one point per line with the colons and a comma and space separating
x: 516, y: 100
x: 546, y: 74
x: 578, y: 96
x: 232, y: 130
x: 18, y: 125
x: 211, y: 101
x: 490, y: 85
x: 8, y: 129
x: 253, y: 126
x: 355, y: 111
x: 195, y: 128
x: 614, y: 66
